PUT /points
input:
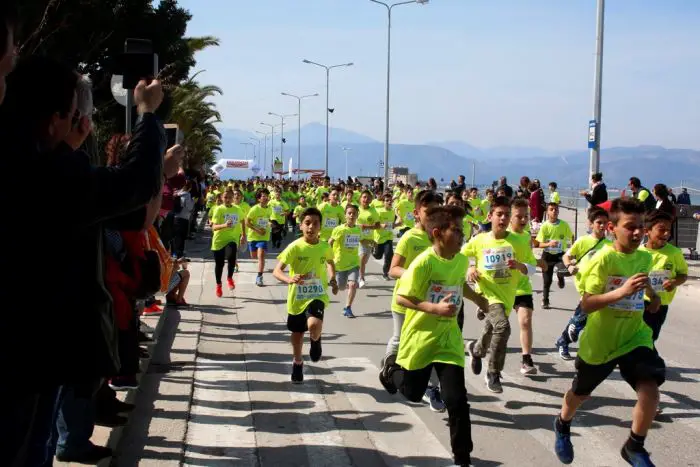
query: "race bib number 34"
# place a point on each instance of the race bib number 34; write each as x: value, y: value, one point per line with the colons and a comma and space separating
x: 634, y: 302
x: 497, y: 258
x: 657, y: 279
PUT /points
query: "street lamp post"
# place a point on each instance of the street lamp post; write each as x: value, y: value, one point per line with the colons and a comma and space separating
x: 264, y: 161
x: 299, y: 99
x: 256, y: 143
x: 282, y: 117
x: 272, y: 146
x: 245, y: 153
x: 389, y: 8
x: 328, y: 83
x: 345, y: 150
x: 594, y: 139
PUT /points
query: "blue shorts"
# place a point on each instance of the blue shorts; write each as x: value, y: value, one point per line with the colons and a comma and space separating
x: 256, y: 245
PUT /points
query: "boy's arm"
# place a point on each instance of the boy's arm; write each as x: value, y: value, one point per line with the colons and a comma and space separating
x: 444, y: 308
x: 396, y: 269
x: 280, y: 275
x: 477, y: 299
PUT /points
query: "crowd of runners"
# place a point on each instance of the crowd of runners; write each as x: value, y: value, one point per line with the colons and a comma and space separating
x: 457, y: 245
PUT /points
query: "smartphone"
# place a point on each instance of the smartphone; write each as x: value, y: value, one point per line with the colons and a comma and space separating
x: 137, y: 62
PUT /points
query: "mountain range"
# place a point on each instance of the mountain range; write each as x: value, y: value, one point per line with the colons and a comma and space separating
x: 446, y: 160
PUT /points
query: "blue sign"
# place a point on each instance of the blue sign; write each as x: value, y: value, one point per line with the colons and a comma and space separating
x: 592, y: 134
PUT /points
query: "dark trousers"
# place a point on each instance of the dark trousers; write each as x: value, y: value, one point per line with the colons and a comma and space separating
x: 579, y: 320
x: 656, y: 320
x: 276, y: 234
x: 386, y: 250
x: 76, y: 417
x: 181, y: 231
x: 129, y: 349
x: 413, y: 384
x: 167, y: 231
x: 42, y: 447
x: 547, y: 275
x: 222, y: 256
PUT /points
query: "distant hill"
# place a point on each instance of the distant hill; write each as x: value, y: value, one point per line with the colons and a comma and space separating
x: 445, y: 161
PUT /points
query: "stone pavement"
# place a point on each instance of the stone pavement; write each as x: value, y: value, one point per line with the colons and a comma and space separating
x: 217, y: 389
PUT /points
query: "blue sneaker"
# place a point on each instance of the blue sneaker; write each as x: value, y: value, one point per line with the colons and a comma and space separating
x: 564, y: 352
x: 562, y: 445
x: 259, y: 281
x: 347, y: 312
x: 636, y: 459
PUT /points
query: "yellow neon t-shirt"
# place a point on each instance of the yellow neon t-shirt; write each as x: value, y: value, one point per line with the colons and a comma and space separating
x: 559, y: 232
x: 667, y: 262
x: 346, y: 244
x: 412, y: 243
x: 310, y: 260
x: 260, y: 217
x: 583, y: 250
x: 428, y: 338
x: 384, y: 234
x: 223, y: 237
x: 332, y: 217
x: 367, y: 216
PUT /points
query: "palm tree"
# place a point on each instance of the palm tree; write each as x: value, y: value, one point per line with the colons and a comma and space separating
x: 196, y: 116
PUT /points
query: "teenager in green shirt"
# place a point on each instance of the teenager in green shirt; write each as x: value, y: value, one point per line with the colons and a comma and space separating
x: 555, y: 236
x: 615, y: 282
x: 307, y: 296
x: 431, y: 290
x: 345, y: 241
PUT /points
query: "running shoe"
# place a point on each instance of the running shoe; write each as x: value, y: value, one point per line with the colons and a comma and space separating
x: 259, y: 281
x: 493, y: 382
x: 316, y: 350
x: 434, y: 399
x: 219, y: 292
x: 636, y: 458
x: 545, y: 304
x: 560, y: 281
x: 231, y: 283
x: 347, y: 312
x: 474, y: 361
x: 385, y: 374
x: 297, y: 373
x: 528, y: 367
x: 564, y: 352
x: 123, y: 383
x: 562, y: 445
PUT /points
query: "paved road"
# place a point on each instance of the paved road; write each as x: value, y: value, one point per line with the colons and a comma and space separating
x: 217, y: 391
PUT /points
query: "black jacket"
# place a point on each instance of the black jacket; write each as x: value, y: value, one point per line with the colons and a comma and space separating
x: 57, y: 313
x: 598, y: 195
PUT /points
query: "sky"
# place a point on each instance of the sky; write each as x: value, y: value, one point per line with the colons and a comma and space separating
x: 486, y: 72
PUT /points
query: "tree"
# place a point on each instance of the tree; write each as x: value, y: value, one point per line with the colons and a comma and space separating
x: 90, y: 34
x: 196, y: 116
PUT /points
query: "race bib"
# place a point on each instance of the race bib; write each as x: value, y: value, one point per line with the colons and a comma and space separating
x: 634, y: 302
x: 496, y: 259
x: 657, y: 279
x: 352, y: 241
x: 277, y: 209
x: 410, y: 217
x: 310, y: 289
x: 331, y: 223
x: 231, y: 217
x: 438, y: 292
x: 263, y: 223
x: 556, y: 249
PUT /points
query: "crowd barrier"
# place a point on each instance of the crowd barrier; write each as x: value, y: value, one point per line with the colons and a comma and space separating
x: 686, y: 229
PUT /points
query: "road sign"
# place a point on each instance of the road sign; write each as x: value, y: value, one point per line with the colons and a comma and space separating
x: 592, y: 134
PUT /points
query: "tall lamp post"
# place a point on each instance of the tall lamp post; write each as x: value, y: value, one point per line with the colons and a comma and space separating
x: 263, y: 162
x: 256, y: 146
x: 299, y: 99
x: 272, y: 146
x: 389, y: 8
x: 245, y: 153
x: 328, y: 83
x: 594, y: 125
x: 346, y: 150
x: 282, y: 117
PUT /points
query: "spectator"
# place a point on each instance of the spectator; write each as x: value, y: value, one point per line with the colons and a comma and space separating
x: 642, y: 194
x: 74, y: 339
x: 598, y: 193
x: 672, y: 196
x: 536, y: 202
x: 183, y: 212
x: 432, y: 184
x: 459, y: 187
x: 524, y: 188
x: 663, y: 203
x: 507, y: 189
x: 684, y: 197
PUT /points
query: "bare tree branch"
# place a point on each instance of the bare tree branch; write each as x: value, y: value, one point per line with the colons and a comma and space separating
x: 51, y: 7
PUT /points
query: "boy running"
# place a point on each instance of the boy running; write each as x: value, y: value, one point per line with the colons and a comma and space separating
x: 669, y: 270
x: 615, y: 281
x: 333, y: 214
x: 524, y: 305
x: 431, y: 290
x: 228, y: 234
x: 384, y: 236
x: 258, y: 222
x: 554, y: 236
x: 307, y: 297
x: 501, y: 260
x: 575, y: 259
x: 345, y: 241
x: 368, y: 220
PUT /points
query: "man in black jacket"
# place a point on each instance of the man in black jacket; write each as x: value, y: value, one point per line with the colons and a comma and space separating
x: 67, y: 334
x: 641, y: 193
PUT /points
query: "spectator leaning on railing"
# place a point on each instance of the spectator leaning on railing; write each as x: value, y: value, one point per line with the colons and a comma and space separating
x: 58, y: 316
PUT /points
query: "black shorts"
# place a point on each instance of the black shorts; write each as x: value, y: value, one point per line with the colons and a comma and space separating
x: 523, y: 301
x: 641, y: 364
x: 298, y: 323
